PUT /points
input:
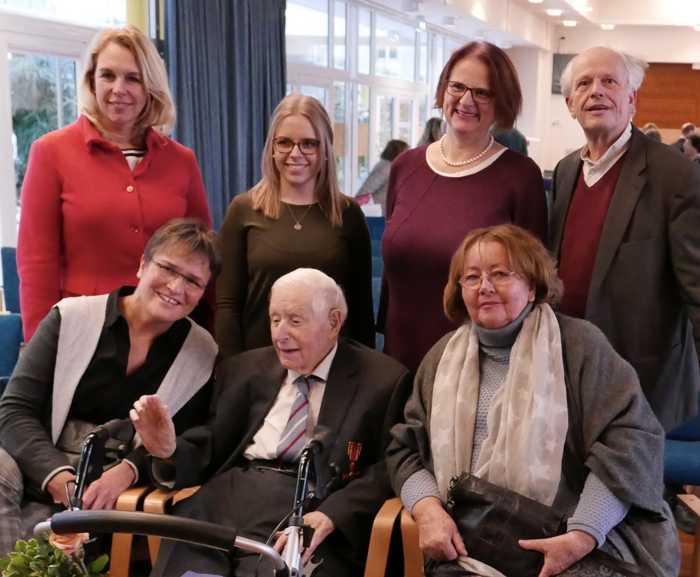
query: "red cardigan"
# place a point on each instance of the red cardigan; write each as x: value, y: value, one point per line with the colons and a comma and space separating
x: 86, y: 216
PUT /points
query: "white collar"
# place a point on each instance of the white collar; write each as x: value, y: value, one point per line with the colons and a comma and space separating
x: 594, y: 170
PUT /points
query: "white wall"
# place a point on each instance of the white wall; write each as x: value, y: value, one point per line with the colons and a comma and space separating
x: 653, y: 43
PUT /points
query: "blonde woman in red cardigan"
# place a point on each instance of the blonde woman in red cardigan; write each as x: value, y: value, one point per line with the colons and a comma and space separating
x: 96, y: 190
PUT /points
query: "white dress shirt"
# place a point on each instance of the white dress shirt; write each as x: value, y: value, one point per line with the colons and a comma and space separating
x: 594, y: 170
x: 266, y: 441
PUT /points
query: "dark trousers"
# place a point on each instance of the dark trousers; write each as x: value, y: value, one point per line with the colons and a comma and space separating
x: 254, y: 501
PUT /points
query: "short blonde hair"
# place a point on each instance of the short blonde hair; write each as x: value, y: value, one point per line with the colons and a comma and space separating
x: 266, y: 193
x: 527, y: 256
x: 159, y: 111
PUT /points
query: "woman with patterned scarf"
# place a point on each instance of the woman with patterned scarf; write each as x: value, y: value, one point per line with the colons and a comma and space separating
x: 539, y: 404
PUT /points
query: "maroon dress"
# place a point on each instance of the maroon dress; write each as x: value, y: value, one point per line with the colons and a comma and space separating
x: 428, y: 215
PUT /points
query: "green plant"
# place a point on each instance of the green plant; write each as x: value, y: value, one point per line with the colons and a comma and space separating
x: 38, y: 558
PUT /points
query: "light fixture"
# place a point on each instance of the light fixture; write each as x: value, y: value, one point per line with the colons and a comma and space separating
x: 535, y: 1
x: 569, y: 23
x: 607, y: 26
x: 554, y: 12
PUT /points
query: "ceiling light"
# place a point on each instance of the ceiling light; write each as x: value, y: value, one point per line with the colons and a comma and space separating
x: 607, y: 26
x: 569, y: 23
x: 535, y: 1
x: 554, y: 11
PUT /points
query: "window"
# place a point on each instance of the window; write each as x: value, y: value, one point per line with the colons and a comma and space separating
x: 339, y: 49
x: 90, y: 12
x: 364, y: 32
x: 307, y: 31
x: 43, y: 98
x: 396, y: 49
x: 362, y: 134
x: 340, y: 133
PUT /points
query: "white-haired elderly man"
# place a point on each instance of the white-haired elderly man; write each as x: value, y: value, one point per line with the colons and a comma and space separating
x: 625, y: 227
x: 267, y: 405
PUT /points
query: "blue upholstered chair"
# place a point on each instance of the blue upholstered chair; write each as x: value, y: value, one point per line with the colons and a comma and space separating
x: 10, y: 280
x: 10, y: 340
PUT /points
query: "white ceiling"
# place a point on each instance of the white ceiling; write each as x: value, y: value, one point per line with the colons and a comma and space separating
x: 461, y: 17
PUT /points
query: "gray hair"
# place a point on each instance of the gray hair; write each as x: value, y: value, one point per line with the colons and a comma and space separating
x: 324, y: 293
x: 634, y: 66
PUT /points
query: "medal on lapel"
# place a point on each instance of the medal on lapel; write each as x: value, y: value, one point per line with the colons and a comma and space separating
x: 353, y: 449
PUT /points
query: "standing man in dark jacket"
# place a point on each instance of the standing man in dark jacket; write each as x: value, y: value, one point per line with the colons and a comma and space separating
x: 625, y: 228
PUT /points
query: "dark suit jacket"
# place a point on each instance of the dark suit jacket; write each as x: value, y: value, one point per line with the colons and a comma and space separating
x: 645, y: 288
x: 364, y: 397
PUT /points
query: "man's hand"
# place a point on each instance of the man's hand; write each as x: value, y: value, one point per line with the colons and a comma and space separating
x: 155, y: 426
x: 104, y: 492
x: 322, y: 526
x: 438, y: 536
x: 56, y: 487
x: 560, y: 552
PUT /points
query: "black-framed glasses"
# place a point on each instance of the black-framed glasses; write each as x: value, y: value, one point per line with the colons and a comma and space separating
x: 481, y: 95
x: 169, y: 273
x: 498, y: 278
x: 285, y: 145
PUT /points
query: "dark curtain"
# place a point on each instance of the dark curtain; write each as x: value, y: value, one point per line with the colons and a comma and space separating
x: 226, y: 61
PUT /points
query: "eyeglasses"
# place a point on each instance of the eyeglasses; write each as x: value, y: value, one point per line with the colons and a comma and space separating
x: 497, y: 278
x: 481, y: 95
x: 285, y: 145
x: 169, y: 274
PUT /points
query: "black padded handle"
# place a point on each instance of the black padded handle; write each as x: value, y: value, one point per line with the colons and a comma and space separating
x: 167, y: 526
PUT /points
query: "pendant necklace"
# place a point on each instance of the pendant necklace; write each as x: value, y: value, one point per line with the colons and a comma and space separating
x: 297, y: 221
x: 448, y: 162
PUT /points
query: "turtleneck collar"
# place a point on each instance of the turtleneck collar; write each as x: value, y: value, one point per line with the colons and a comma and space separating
x: 504, y: 336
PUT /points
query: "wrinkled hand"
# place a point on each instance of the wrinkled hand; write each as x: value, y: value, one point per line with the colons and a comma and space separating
x: 438, y: 536
x: 104, y: 492
x: 560, y: 552
x: 322, y: 526
x: 153, y: 423
x: 56, y: 487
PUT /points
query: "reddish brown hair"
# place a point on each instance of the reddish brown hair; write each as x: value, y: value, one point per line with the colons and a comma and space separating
x: 527, y: 256
x: 503, y: 80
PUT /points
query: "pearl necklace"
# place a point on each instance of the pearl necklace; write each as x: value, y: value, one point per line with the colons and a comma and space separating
x: 468, y: 160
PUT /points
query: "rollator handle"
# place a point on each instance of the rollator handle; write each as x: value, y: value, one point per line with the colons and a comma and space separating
x: 167, y: 526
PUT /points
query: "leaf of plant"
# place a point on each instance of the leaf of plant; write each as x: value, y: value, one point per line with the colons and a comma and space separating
x: 99, y: 564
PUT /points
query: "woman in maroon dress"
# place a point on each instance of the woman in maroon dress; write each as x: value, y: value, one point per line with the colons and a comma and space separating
x: 439, y: 192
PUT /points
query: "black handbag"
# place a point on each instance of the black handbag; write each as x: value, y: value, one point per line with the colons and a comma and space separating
x: 492, y: 519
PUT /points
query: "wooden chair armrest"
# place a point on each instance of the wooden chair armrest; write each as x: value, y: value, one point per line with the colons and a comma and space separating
x: 130, y: 499
x: 412, y: 555
x: 162, y: 501
x: 380, y: 538
x: 120, y: 555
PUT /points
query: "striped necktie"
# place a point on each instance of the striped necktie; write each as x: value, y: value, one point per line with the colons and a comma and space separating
x: 294, y: 436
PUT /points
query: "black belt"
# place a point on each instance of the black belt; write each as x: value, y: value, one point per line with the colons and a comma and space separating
x: 272, y: 465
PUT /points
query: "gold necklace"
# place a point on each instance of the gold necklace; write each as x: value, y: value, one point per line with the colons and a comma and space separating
x: 463, y: 162
x: 297, y: 221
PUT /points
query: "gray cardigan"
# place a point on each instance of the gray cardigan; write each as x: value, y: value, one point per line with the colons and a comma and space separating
x: 612, y: 432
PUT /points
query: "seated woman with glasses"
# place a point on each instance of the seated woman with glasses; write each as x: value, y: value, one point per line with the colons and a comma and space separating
x: 439, y: 192
x: 295, y: 217
x: 536, y: 403
x: 90, y: 359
